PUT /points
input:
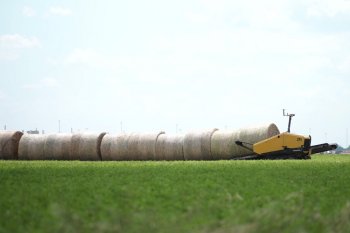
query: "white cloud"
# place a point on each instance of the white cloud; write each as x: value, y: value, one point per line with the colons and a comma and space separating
x: 92, y: 58
x: 328, y: 8
x: 43, y: 83
x: 268, y: 14
x: 195, y: 17
x: 12, y: 44
x: 344, y: 66
x: 60, y: 11
x: 16, y: 41
x: 50, y: 82
x: 28, y: 11
x: 78, y: 55
x: 52, y: 61
x: 6, y: 55
x: 2, y: 95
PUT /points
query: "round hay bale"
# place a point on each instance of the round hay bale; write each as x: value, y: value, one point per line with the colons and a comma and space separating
x: 115, y: 147
x: 106, y: 144
x: 31, y: 147
x: 9, y: 141
x: 75, y: 147
x: 169, y: 147
x: 223, y: 144
x: 86, y: 146
x: 58, y: 147
x: 142, y: 146
x: 197, y: 145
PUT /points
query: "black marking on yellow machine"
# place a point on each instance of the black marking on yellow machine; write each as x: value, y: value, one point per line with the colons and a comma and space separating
x: 284, y: 146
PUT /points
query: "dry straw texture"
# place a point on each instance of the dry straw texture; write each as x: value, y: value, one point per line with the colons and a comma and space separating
x: 31, y: 147
x: 197, y: 145
x: 169, y: 147
x: 142, y: 146
x: 9, y: 141
x: 57, y: 147
x: 133, y: 146
x: 115, y: 147
x: 223, y: 144
x: 86, y: 146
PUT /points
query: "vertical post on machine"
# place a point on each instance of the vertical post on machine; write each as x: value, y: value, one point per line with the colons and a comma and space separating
x: 290, y: 119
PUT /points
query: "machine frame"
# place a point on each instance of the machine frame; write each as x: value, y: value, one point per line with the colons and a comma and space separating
x: 284, y: 146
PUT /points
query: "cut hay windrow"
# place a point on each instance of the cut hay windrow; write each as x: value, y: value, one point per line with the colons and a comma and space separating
x: 31, y: 147
x: 197, y: 145
x: 58, y: 147
x: 169, y: 147
x: 86, y: 146
x: 223, y: 144
x: 9, y: 141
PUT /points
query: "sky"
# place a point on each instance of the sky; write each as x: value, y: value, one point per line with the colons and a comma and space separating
x: 176, y: 65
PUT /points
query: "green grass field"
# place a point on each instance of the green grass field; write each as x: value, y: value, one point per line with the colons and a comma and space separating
x: 218, y: 196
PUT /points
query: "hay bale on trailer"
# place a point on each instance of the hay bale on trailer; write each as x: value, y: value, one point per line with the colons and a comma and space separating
x: 86, y: 146
x: 58, y: 147
x: 31, y: 147
x: 142, y: 146
x: 169, y: 147
x: 197, y: 145
x: 223, y: 144
x: 115, y: 147
x: 9, y: 141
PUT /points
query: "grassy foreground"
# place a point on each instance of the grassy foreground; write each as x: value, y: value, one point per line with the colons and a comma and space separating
x: 219, y: 196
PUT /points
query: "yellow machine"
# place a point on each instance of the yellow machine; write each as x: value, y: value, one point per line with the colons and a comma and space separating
x: 285, y: 146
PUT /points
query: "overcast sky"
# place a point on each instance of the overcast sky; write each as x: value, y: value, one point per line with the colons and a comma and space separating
x: 176, y: 65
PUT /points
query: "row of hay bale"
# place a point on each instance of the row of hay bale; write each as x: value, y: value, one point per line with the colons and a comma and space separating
x: 210, y: 144
x: 132, y: 146
x: 15, y: 145
x: 60, y: 147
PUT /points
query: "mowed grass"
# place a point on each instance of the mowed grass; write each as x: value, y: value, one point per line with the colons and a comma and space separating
x: 218, y: 196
